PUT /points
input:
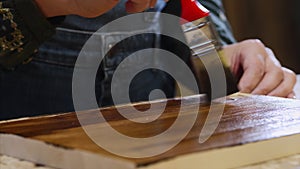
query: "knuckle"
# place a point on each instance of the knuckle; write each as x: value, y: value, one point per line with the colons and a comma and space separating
x: 290, y: 74
x: 255, y: 42
x: 288, y: 71
x: 269, y: 51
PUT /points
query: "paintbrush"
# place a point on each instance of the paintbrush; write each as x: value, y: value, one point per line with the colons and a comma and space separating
x: 205, y: 46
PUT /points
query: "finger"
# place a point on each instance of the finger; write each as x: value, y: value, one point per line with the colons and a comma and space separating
x: 292, y: 95
x: 286, y: 86
x: 269, y: 82
x: 254, y: 70
x: 273, y: 77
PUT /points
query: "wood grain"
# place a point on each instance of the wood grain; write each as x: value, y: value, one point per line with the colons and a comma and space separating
x: 246, y: 119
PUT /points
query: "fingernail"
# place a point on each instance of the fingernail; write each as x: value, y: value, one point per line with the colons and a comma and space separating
x: 292, y: 96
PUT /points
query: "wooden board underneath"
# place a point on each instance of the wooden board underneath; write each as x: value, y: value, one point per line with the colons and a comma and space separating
x: 290, y: 162
x: 247, y: 121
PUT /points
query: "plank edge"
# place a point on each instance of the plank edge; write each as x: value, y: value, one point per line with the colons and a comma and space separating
x: 57, y: 157
x: 236, y: 156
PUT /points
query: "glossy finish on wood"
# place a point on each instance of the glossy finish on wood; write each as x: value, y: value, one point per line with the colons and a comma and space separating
x: 246, y: 119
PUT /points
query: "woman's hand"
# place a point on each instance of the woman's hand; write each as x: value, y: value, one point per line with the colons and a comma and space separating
x: 259, y: 70
x: 89, y: 8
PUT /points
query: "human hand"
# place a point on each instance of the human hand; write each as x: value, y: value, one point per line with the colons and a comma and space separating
x: 89, y: 8
x: 258, y: 70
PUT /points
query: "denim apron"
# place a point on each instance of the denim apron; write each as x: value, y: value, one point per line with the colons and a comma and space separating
x: 44, y: 86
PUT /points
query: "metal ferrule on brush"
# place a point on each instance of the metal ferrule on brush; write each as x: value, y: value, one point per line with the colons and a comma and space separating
x: 201, y: 37
x: 198, y: 29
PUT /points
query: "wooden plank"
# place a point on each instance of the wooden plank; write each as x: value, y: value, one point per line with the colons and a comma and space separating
x: 246, y: 120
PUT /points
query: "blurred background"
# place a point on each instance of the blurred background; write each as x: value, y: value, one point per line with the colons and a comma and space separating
x: 276, y: 23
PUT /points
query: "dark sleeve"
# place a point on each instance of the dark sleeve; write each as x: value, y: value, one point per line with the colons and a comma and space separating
x: 219, y: 19
x: 22, y: 29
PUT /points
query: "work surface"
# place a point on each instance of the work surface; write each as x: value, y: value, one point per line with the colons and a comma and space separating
x: 268, y: 127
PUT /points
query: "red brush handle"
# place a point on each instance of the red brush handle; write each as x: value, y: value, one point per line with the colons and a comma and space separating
x: 192, y: 10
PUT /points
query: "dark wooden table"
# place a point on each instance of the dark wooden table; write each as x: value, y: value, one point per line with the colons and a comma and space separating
x: 252, y: 129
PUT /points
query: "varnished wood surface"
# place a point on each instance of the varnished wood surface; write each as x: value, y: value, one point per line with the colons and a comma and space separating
x: 246, y: 119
